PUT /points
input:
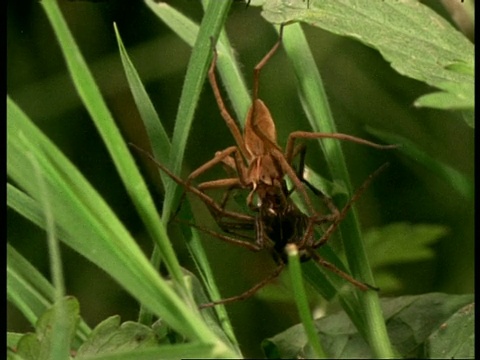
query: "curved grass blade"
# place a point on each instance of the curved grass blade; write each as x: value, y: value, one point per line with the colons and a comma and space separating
x: 94, y: 231
x: 316, y: 107
x: 123, y: 160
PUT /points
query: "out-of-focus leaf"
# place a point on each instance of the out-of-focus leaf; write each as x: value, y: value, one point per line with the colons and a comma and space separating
x: 402, y: 242
x: 469, y: 117
x: 462, y: 184
x: 411, y: 320
x: 414, y: 39
x: 452, y: 98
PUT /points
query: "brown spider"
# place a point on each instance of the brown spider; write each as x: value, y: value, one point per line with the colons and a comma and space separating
x: 260, y: 167
x: 258, y: 162
x: 277, y: 223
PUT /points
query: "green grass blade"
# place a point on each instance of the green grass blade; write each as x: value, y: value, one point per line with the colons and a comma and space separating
x: 227, y: 65
x: 158, y: 136
x: 95, y: 232
x: 123, y: 160
x: 30, y: 292
x: 229, y: 70
x: 53, y: 246
x: 212, y: 23
x: 159, y: 141
x: 62, y: 326
x: 302, y: 302
x: 319, y: 114
x: 462, y: 184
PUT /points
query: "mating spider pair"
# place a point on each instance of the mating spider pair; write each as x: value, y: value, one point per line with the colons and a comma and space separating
x: 260, y: 167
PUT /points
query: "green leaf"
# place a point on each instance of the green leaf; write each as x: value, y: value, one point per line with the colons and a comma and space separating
x: 64, y: 317
x: 469, y: 117
x: 402, y: 242
x: 110, y: 337
x: 455, y: 338
x: 28, y: 347
x: 29, y: 291
x: 12, y: 339
x: 411, y: 320
x: 415, y: 40
x: 452, y: 98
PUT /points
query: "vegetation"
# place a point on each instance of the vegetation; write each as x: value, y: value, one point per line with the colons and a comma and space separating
x: 395, y: 72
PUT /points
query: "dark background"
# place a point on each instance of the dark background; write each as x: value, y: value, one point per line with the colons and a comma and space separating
x: 362, y: 90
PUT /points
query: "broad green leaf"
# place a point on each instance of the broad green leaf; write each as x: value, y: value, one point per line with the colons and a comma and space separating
x: 415, y: 40
x: 455, y: 338
x: 451, y: 98
x: 411, y: 320
x: 12, y: 339
x: 110, y: 336
x: 42, y: 344
x: 29, y: 291
x: 402, y: 242
x: 28, y: 347
x: 112, y: 339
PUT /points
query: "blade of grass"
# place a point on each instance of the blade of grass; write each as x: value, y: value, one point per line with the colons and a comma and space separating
x: 462, y: 184
x: 62, y: 326
x: 227, y: 65
x: 319, y: 115
x: 158, y: 136
x: 302, y: 302
x: 198, y: 64
x: 95, y: 232
x: 28, y: 290
x: 159, y: 140
x: 229, y: 70
x: 92, y: 98
x: 161, y: 149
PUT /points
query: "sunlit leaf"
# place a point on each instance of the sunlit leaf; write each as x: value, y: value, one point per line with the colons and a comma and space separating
x: 414, y: 39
